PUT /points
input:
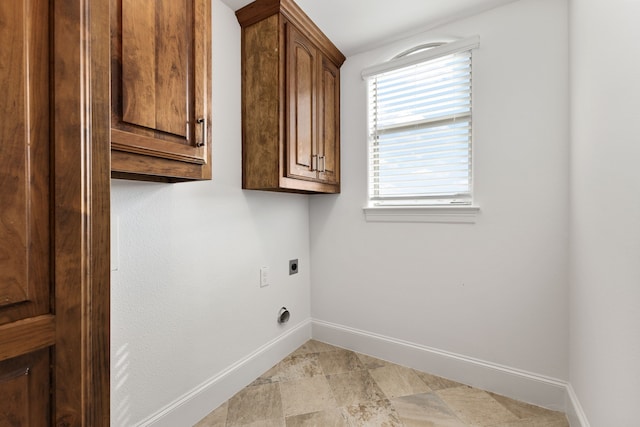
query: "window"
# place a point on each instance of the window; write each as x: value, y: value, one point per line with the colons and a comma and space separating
x: 419, y: 126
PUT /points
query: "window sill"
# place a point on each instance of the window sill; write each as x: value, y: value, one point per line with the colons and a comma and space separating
x: 441, y: 214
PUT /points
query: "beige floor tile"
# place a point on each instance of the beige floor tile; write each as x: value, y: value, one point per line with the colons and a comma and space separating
x: 437, y: 383
x: 306, y: 395
x: 291, y: 368
x: 523, y: 410
x: 340, y: 361
x: 325, y: 386
x: 313, y: 346
x: 425, y: 410
x: 217, y: 418
x: 277, y: 422
x: 329, y: 418
x: 475, y: 406
x: 369, y: 414
x: 396, y: 380
x: 298, y: 367
x: 255, y: 404
x: 268, y: 377
x: 370, y: 362
x: 549, y: 421
x: 354, y: 387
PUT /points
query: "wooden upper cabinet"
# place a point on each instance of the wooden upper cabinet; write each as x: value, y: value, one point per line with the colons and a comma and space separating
x: 290, y: 101
x: 160, y: 84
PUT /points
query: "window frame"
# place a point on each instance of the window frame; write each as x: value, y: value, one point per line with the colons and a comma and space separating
x: 415, y: 212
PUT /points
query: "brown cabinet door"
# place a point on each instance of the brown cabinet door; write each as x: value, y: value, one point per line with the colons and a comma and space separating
x: 301, y: 70
x: 329, y: 123
x: 26, y: 325
x: 24, y: 390
x: 159, y: 85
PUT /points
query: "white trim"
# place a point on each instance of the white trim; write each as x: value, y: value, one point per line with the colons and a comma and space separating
x: 518, y: 384
x: 515, y: 383
x: 575, y: 413
x: 445, y: 49
x: 194, y: 405
x: 442, y: 214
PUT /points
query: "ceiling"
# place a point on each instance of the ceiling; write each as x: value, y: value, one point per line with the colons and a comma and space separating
x: 358, y: 25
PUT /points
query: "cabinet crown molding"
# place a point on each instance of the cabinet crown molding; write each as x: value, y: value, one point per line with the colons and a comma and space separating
x: 261, y: 9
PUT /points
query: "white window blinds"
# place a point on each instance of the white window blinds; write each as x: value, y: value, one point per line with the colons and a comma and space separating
x: 420, y: 128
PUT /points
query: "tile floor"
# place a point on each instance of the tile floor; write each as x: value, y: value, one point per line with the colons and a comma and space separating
x: 325, y: 386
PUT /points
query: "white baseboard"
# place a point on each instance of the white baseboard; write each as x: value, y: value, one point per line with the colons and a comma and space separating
x: 191, y: 407
x: 525, y: 386
x: 575, y: 413
x: 539, y: 390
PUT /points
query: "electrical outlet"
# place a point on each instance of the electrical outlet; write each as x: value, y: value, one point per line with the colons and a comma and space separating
x: 293, y: 267
x: 264, y: 277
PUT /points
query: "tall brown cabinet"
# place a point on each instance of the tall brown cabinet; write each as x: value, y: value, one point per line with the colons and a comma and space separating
x: 54, y: 213
x: 290, y: 101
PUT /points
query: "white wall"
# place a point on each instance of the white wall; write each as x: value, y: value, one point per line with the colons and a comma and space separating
x: 605, y: 235
x: 495, y: 290
x: 186, y: 302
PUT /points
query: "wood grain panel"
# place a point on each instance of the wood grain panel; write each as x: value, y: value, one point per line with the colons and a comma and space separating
x: 24, y: 390
x: 126, y: 165
x: 81, y: 212
x: 141, y: 144
x: 24, y: 150
x: 139, y: 62
x: 329, y: 123
x: 301, y: 106
x: 14, y: 145
x: 27, y: 335
x: 173, y: 56
x: 261, y: 106
x: 202, y: 80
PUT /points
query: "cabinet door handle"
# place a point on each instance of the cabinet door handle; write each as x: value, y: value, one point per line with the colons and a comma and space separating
x: 324, y: 164
x: 203, y: 123
x: 314, y: 162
